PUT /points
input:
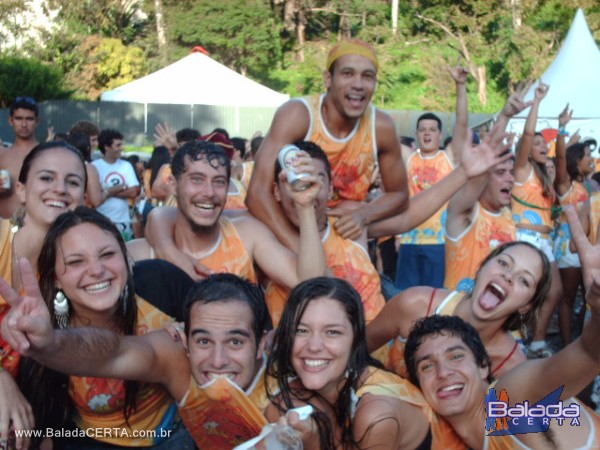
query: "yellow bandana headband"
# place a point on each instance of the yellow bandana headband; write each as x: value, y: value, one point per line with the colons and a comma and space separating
x: 352, y: 47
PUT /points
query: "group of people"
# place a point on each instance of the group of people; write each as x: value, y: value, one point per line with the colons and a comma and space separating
x: 247, y: 298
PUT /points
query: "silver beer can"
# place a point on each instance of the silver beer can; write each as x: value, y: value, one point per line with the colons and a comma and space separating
x: 288, y: 155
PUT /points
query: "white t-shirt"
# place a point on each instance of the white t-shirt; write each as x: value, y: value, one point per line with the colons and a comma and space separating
x: 120, y: 172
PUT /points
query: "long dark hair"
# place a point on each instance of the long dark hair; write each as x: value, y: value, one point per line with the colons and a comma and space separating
x: 280, y: 366
x: 45, y: 389
x: 46, y: 146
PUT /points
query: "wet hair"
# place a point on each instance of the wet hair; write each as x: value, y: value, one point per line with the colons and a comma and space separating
x: 240, y: 145
x: 430, y: 116
x: 36, y: 380
x: 81, y: 141
x: 106, y: 138
x: 24, y: 103
x: 280, y: 367
x: 227, y: 287
x: 47, y: 146
x: 314, y: 151
x: 575, y: 153
x: 85, y: 127
x: 515, y: 320
x: 186, y: 135
x: 437, y: 325
x: 199, y: 151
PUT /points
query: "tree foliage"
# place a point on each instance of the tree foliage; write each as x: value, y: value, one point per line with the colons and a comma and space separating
x: 29, y: 76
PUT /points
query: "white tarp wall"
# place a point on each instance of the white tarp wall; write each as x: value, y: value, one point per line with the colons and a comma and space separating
x: 574, y: 78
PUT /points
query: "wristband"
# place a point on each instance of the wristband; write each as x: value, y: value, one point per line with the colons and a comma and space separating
x: 562, y: 131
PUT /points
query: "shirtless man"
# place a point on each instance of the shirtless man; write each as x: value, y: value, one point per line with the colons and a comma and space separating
x: 24, y: 120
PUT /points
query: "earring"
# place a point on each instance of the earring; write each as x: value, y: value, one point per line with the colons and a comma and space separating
x: 61, y: 310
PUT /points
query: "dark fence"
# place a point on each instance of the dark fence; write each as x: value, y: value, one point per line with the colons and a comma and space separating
x: 137, y: 121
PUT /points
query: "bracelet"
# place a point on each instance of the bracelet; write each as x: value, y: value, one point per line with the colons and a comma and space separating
x: 562, y: 132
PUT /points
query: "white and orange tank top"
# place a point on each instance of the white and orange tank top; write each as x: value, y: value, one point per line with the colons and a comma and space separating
x: 465, y: 252
x: 532, y: 193
x: 247, y: 169
x: 347, y: 260
x: 353, y: 158
x: 594, y: 217
x: 229, y: 255
x: 236, y: 196
x: 422, y: 173
x: 99, y: 401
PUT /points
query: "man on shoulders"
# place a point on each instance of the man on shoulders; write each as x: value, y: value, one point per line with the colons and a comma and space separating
x: 354, y: 134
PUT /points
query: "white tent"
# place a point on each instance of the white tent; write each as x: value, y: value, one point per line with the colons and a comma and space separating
x: 196, y: 80
x: 574, y: 78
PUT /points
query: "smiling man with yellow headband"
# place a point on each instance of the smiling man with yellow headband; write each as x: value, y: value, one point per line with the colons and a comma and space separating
x: 356, y: 137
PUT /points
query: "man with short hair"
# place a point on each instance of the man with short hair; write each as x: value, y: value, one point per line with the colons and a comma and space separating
x: 198, y: 230
x: 216, y: 376
x: 119, y: 181
x: 24, y: 120
x: 356, y: 137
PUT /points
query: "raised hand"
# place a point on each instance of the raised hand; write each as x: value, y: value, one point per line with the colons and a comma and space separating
x: 164, y: 136
x: 459, y: 74
x: 493, y: 150
x: 27, y: 324
x: 540, y: 91
x: 565, y: 116
x: 516, y: 102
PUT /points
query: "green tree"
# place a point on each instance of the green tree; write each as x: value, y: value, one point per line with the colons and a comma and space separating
x: 31, y: 77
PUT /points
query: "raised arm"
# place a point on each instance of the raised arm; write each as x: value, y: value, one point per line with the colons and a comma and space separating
x: 577, y: 364
x: 562, y: 183
x: 290, y: 124
x: 522, y: 164
x: 460, y: 75
x: 478, y: 160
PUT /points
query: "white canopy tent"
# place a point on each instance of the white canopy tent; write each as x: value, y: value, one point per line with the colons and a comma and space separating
x: 196, y: 80
x: 574, y: 78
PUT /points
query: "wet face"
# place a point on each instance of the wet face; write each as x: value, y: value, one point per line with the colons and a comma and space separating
x: 450, y: 379
x: 497, y: 193
x: 202, y: 193
x: 221, y: 342
x: 91, y: 271
x: 539, y: 150
x: 352, y: 85
x: 322, y: 346
x: 55, y: 184
x: 429, y: 135
x: 24, y: 122
x: 287, y: 204
x: 113, y: 152
x: 506, y: 284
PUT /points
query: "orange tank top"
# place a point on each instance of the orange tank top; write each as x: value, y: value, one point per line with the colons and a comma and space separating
x: 236, y: 196
x: 229, y: 254
x: 353, y: 158
x: 465, y: 252
x: 248, y: 168
x: 594, y: 217
x: 99, y: 401
x: 422, y: 173
x: 531, y: 192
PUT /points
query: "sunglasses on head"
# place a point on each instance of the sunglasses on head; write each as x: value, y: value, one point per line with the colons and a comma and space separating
x: 28, y: 100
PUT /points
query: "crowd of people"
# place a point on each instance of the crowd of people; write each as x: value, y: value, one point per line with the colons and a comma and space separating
x: 190, y: 301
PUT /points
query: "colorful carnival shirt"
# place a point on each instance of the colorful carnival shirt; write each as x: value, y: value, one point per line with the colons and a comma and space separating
x: 99, y: 401
x: 594, y: 217
x: 221, y: 415
x: 577, y: 195
x: 531, y: 192
x: 353, y: 158
x: 464, y: 253
x: 423, y: 172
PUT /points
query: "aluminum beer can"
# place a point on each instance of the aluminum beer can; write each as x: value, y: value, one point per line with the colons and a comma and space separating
x: 4, y: 179
x: 288, y: 155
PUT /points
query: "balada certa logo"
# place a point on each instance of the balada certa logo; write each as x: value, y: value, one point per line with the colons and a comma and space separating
x: 522, y: 418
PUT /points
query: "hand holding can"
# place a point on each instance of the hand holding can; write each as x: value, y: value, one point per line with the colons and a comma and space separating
x: 288, y: 159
